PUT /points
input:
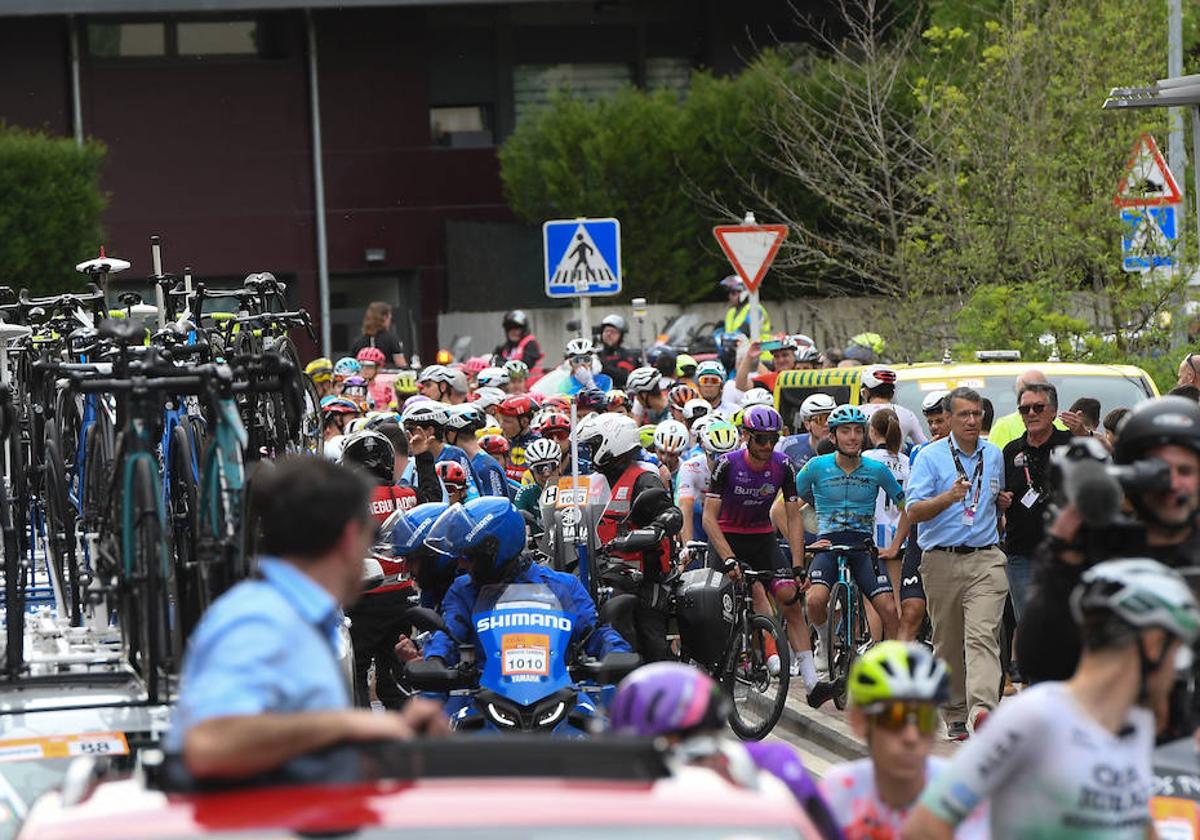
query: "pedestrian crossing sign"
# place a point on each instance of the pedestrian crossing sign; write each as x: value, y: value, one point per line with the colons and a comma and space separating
x: 1149, y: 237
x: 582, y: 257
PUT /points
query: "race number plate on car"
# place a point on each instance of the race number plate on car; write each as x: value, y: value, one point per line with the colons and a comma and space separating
x: 64, y: 746
x: 525, y: 653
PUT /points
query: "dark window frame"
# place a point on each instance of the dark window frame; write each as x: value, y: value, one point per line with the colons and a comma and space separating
x: 172, y: 56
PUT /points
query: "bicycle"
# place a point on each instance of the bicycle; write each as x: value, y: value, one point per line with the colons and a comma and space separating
x: 845, y: 628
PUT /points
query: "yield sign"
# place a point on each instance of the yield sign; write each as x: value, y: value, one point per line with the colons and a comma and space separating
x: 1147, y: 181
x: 751, y: 249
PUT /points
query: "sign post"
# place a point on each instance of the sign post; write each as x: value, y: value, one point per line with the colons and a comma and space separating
x: 582, y: 259
x: 751, y: 248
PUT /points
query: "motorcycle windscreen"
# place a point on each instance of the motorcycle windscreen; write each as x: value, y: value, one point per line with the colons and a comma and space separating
x: 525, y: 633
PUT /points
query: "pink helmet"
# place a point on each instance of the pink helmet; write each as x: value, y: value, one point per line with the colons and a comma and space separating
x: 473, y: 365
x: 371, y: 356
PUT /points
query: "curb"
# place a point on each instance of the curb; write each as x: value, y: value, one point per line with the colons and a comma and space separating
x: 822, y: 729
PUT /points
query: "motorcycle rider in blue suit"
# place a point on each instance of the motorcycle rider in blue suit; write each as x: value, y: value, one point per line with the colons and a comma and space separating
x: 490, y: 533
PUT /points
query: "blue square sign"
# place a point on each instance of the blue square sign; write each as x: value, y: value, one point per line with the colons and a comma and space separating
x: 582, y: 257
x: 1150, y: 237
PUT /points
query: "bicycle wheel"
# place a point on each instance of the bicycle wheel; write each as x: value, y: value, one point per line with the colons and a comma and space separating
x: 182, y: 499
x: 60, y: 531
x: 838, y: 648
x: 145, y: 546
x: 14, y: 587
x: 758, y: 698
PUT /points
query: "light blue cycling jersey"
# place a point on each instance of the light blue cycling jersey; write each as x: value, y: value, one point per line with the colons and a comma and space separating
x: 846, y: 501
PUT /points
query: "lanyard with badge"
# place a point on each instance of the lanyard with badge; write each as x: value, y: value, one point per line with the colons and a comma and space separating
x: 976, y: 484
x: 1032, y: 494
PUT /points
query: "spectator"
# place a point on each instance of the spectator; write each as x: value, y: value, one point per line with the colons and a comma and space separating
x: 1189, y: 392
x: 955, y: 491
x: 1189, y: 370
x: 989, y: 417
x: 377, y: 332
x: 1088, y: 409
x: 616, y: 359
x: 1111, y: 421
x: 1009, y: 427
x: 520, y: 344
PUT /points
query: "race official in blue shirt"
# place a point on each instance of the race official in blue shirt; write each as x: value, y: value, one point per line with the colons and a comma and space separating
x: 956, y: 491
x: 262, y: 681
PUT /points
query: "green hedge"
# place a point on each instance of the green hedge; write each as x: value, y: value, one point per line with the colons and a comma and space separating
x: 50, y: 206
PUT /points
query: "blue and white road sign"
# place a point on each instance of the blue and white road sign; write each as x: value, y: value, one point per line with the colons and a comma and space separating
x: 1149, y: 238
x: 582, y: 257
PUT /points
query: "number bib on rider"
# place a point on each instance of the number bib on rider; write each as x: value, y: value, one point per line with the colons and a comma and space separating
x: 525, y: 654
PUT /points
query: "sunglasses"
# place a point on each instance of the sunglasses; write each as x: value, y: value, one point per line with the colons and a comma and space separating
x: 709, y: 379
x: 764, y: 438
x: 544, y: 468
x: 581, y: 360
x: 895, y: 715
x: 1033, y: 408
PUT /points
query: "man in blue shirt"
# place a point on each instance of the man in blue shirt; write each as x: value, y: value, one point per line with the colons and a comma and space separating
x: 262, y: 681
x: 956, y: 492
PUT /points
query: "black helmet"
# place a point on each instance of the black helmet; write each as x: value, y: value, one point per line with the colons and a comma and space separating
x: 373, y: 452
x: 663, y: 358
x: 591, y: 399
x: 1158, y: 422
x: 616, y: 322
x: 705, y: 611
x: 516, y: 318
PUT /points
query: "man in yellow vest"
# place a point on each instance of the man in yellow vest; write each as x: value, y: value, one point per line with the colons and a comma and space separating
x: 737, y: 319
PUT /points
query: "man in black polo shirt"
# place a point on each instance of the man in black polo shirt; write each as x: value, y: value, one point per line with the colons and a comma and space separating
x: 1026, y: 471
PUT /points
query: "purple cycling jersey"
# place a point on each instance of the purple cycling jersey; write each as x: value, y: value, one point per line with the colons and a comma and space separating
x: 746, y: 493
x: 781, y: 761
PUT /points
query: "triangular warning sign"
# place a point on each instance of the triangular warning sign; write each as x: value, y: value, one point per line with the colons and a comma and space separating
x: 1147, y: 181
x: 751, y: 249
x: 582, y: 265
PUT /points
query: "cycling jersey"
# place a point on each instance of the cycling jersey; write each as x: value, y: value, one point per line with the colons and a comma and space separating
x: 692, y: 483
x: 516, y: 455
x: 746, y: 493
x: 909, y: 424
x: 887, y: 515
x: 798, y: 449
x: 489, y: 475
x: 846, y: 501
x: 850, y: 792
x: 1048, y: 769
x: 411, y: 478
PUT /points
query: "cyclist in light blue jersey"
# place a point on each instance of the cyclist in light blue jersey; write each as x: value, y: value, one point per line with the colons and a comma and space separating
x: 844, y: 487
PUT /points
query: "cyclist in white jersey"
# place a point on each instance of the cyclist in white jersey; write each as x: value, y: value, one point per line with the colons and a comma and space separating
x: 879, y: 391
x: 1073, y: 759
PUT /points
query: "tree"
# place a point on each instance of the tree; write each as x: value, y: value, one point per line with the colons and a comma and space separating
x: 50, y: 215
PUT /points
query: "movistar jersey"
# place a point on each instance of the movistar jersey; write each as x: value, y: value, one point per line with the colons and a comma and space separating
x: 746, y: 493
x: 798, y: 449
x: 846, y: 501
x: 489, y: 475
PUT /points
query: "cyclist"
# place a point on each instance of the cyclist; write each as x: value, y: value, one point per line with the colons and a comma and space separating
x: 680, y: 395
x: 685, y: 369
x: 356, y: 388
x: 344, y: 369
x: 431, y: 418
x: 814, y: 415
x: 336, y: 414
x: 493, y: 377
x: 895, y: 688
x: 1073, y: 759
x: 545, y: 460
x: 462, y: 423
x: 671, y: 440
x: 496, y: 445
x: 584, y: 367
x: 490, y: 534
x: 616, y: 360
x: 320, y: 371
x: 886, y: 440
x: 844, y: 487
x: 682, y: 704
x: 443, y: 384
x: 716, y: 439
x: 737, y: 520
x: 617, y: 401
x: 520, y: 345
x: 650, y: 402
x: 515, y: 414
x: 783, y: 357
x: 454, y: 479
x: 879, y: 391
x: 710, y: 381
x: 589, y: 401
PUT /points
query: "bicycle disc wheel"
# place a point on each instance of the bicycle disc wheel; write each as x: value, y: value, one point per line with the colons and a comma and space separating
x: 758, y: 697
x: 182, y: 500
x: 838, y: 648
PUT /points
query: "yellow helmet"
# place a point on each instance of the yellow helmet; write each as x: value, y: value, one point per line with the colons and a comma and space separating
x: 319, y: 369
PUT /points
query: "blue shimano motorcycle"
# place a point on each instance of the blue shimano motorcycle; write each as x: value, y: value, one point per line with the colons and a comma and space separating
x: 533, y: 677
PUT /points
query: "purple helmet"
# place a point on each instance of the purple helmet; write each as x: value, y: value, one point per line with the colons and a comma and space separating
x: 762, y: 418
x: 667, y: 698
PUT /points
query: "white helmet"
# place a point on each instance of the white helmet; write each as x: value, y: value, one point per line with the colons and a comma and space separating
x: 695, y: 409
x: 816, y: 404
x: 435, y: 373
x: 468, y: 417
x: 612, y: 436
x: 492, y: 377
x: 579, y: 347
x: 757, y: 396
x: 426, y: 413
x: 702, y: 422
x: 458, y: 381
x: 933, y: 401
x: 643, y: 379
x: 543, y: 451
x: 1143, y: 593
x: 585, y: 429
x: 877, y: 375
x: 488, y: 397
x: 671, y: 436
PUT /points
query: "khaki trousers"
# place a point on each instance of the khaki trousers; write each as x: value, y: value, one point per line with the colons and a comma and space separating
x: 965, y: 596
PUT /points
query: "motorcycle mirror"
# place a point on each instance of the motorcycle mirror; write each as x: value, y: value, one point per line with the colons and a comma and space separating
x: 617, y: 665
x: 424, y: 618
x: 616, y: 608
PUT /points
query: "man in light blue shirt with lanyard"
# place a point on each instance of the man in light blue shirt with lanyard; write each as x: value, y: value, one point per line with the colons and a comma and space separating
x: 956, y: 491
x: 262, y: 683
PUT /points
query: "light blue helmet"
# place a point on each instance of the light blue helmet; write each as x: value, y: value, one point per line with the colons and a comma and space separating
x: 847, y: 415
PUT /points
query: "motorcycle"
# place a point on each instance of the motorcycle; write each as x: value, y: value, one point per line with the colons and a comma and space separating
x: 533, y: 677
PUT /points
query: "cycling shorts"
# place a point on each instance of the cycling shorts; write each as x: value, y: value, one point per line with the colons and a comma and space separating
x: 911, y: 585
x: 823, y: 569
x: 759, y: 551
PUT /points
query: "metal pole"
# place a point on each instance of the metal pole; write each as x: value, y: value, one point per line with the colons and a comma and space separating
x: 1176, y: 155
x: 755, y: 316
x: 1195, y: 174
x: 76, y: 97
x: 585, y: 316
x: 314, y: 101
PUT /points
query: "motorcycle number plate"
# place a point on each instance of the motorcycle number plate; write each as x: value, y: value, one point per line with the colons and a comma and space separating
x: 525, y: 653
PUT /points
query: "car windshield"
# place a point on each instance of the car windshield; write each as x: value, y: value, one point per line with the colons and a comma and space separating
x: 1113, y: 391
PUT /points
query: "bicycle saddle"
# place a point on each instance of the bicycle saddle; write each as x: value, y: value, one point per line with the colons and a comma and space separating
x: 122, y: 330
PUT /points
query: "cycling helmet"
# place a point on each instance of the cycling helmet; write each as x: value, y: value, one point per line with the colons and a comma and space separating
x: 815, y: 404
x: 346, y: 367
x: 371, y: 356
x: 466, y: 418
x: 703, y: 422
x: 847, y: 415
x: 704, y: 609
x: 319, y: 369
x: 354, y: 386
x: 339, y: 405
x: 615, y: 399
x: 1142, y: 593
x: 685, y: 366
x: 558, y: 402
x: 719, y: 437
x: 1157, y: 422
x: 515, y: 318
x: 671, y: 436
x: 516, y: 405
x: 809, y: 354
x: 411, y: 527
x: 681, y: 394
x: 876, y: 375
x: 375, y: 419
x: 488, y: 397
x: 865, y: 347
x: 616, y: 322
x: 695, y: 409
x: 554, y: 422
x: 426, y: 413
x: 492, y: 377
x: 667, y: 698
x: 543, y: 451
x: 539, y: 400
x: 579, y: 347
x: 413, y: 400
x: 452, y: 474
x: 643, y: 380
x: 757, y: 396
x: 895, y: 670
x: 405, y: 383
x: 786, y: 342
x: 762, y: 418
x: 646, y: 436
x: 475, y: 364
x: 355, y: 425
x: 590, y: 399
x: 710, y: 368
x: 495, y: 445
x: 517, y: 370
x: 435, y: 373
x: 373, y: 452
x: 612, y: 436
x: 934, y: 402
x: 487, y: 528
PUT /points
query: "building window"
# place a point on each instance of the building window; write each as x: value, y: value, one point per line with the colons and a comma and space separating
x: 461, y: 126
x: 127, y: 40
x: 224, y: 37
x: 534, y: 83
x: 670, y: 73
x: 258, y: 37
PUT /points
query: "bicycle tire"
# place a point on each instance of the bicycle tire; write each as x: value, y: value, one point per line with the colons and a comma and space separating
x: 839, y: 650
x: 14, y: 587
x: 60, y: 531
x: 747, y: 666
x: 182, y: 498
x: 152, y: 617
